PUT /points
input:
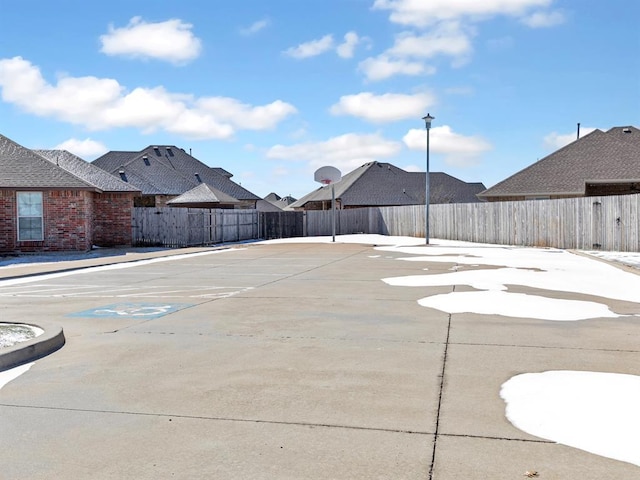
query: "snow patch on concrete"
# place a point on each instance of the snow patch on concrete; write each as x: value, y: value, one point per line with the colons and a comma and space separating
x: 593, y: 411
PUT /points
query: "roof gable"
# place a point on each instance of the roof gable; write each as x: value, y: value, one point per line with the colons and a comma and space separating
x: 627, y: 134
x: 24, y: 168
x: 203, y: 193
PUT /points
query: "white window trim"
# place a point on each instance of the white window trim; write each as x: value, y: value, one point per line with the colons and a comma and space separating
x: 18, y: 217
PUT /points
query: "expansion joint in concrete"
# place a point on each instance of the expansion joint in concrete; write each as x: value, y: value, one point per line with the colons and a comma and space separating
x: 440, y: 393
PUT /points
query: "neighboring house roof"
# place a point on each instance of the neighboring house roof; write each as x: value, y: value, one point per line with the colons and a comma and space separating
x: 203, y: 193
x: 86, y: 171
x: 23, y: 168
x: 169, y: 170
x: 383, y: 184
x: 272, y: 197
x: 222, y: 171
x: 598, y: 157
x: 266, y: 206
x: 281, y: 203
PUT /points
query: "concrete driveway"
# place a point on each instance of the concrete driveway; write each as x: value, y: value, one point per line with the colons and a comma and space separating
x: 284, y: 361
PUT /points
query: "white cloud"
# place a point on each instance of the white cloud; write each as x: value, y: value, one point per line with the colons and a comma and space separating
x: 86, y: 148
x: 544, y: 19
x: 346, y: 49
x: 197, y: 125
x: 246, y: 116
x: 556, y: 140
x: 101, y: 104
x: 312, y: 48
x: 449, y: 27
x: 421, y: 13
x: 255, y: 27
x: 407, y: 55
x: 389, y: 107
x: 448, y: 38
x: 459, y: 150
x: 171, y: 41
x: 383, y: 67
x: 344, y: 152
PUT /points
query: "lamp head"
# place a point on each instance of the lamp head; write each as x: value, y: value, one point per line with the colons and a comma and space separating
x: 427, y: 120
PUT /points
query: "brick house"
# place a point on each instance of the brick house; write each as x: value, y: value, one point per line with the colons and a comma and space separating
x: 53, y: 201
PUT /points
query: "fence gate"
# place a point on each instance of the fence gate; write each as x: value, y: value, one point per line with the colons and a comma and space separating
x: 281, y: 224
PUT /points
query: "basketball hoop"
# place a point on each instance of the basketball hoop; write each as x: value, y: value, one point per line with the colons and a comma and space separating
x: 329, y: 176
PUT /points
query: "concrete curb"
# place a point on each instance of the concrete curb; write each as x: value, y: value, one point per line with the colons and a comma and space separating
x: 24, y: 352
x: 29, y: 270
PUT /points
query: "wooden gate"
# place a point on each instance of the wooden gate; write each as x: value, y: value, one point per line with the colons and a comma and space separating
x: 281, y: 224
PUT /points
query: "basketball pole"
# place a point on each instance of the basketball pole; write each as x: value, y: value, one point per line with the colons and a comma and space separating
x: 333, y: 211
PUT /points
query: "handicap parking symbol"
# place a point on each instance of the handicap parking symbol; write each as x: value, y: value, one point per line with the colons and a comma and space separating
x: 132, y: 310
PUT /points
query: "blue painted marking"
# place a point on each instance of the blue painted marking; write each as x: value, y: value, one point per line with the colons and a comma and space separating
x: 146, y: 311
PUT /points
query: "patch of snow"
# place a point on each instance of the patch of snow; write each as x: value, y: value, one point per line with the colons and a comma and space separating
x: 13, y: 373
x: 631, y: 259
x: 12, y: 333
x: 516, y: 305
x: 362, y: 238
x: 593, y: 411
x: 542, y: 269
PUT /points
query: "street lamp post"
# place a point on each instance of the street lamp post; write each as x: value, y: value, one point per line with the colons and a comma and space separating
x: 427, y: 122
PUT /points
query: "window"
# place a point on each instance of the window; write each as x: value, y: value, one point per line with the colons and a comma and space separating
x: 30, y: 216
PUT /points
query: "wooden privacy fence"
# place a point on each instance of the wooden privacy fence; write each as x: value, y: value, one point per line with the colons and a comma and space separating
x: 281, y: 225
x: 185, y: 227
x: 587, y: 223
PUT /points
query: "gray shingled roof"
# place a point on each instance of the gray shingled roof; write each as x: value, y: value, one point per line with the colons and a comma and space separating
x: 279, y: 202
x: 23, y: 168
x: 272, y: 197
x: 86, y: 171
x: 267, y: 206
x: 203, y: 193
x: 110, y: 161
x: 171, y: 171
x: 597, y: 157
x: 383, y: 184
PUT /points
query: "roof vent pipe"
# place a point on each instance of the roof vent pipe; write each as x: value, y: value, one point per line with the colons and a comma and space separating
x: 578, y: 136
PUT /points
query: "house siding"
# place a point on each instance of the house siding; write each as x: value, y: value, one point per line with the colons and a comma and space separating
x: 8, y: 233
x: 67, y: 222
x: 74, y: 220
x: 112, y: 219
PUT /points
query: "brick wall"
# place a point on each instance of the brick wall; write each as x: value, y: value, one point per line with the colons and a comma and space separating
x: 67, y: 222
x: 8, y: 233
x: 112, y: 219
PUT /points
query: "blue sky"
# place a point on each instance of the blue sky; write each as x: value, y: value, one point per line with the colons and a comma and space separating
x: 273, y: 90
